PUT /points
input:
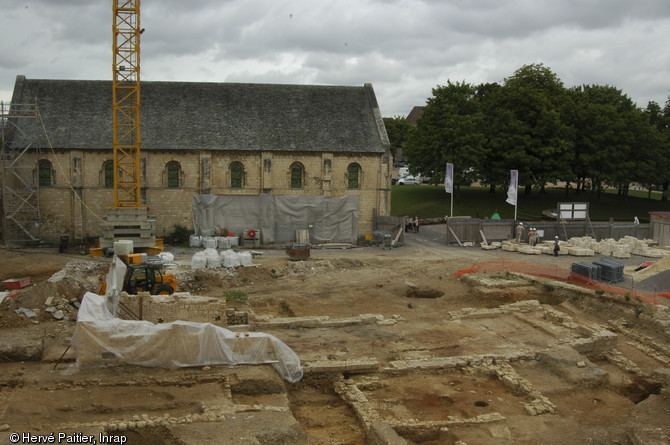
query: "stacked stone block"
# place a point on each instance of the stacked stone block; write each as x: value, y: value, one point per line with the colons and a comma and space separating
x: 178, y: 306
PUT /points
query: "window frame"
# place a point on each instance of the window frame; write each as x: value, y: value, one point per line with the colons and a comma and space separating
x: 44, y: 173
x: 236, y: 169
x: 297, y: 169
x: 173, y: 173
x: 354, y: 173
x: 108, y: 173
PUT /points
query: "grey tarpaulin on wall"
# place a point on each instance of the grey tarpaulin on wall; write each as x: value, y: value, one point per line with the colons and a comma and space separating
x: 278, y: 216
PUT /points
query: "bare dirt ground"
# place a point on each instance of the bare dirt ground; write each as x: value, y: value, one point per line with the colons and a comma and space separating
x: 394, y: 347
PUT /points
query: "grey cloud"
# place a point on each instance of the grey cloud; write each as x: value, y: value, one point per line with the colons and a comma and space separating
x: 404, y: 47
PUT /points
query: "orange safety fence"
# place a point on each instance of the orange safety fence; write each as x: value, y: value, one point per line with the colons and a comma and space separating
x: 559, y: 274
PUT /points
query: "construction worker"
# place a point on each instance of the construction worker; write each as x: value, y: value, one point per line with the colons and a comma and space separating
x: 520, y: 229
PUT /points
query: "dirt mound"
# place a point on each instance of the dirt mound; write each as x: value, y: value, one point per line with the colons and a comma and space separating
x: 253, y: 275
x: 659, y: 266
x: 201, y: 281
x: 657, y: 283
x: 37, y: 265
x: 88, y: 275
x: 319, y: 266
x: 61, y: 291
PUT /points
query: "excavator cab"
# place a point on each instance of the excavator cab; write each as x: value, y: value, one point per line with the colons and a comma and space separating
x: 143, y: 274
x: 148, y: 278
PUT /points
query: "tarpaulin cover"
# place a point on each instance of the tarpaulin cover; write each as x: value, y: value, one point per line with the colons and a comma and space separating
x: 102, y: 339
x: 278, y: 216
x: 115, y: 277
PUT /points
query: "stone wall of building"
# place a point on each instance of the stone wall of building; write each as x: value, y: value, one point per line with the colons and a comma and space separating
x: 81, y: 174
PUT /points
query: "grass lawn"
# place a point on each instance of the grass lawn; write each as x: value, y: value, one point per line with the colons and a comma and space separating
x: 428, y: 201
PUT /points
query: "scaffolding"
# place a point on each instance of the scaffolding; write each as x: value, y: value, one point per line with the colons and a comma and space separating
x: 20, y: 184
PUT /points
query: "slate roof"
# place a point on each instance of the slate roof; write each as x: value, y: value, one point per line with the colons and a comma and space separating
x: 212, y: 116
x: 414, y: 115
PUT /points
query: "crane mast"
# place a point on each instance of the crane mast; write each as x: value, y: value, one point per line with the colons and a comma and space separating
x: 126, y: 104
x: 127, y: 219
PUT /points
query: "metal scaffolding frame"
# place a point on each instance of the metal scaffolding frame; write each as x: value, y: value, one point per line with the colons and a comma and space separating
x: 20, y: 183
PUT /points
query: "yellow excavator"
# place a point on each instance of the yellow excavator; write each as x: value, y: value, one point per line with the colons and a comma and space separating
x: 144, y: 273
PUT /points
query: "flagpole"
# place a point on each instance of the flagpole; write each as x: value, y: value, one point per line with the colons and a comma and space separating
x: 449, y: 185
x: 515, y: 206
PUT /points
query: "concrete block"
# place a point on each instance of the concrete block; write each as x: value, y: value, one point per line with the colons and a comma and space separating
x: 528, y: 250
x: 577, y: 251
x: 123, y: 247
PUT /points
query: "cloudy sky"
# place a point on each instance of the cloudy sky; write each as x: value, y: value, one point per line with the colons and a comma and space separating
x: 403, y: 47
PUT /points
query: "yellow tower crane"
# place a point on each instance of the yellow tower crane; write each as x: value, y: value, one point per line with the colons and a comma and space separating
x: 126, y: 103
x: 127, y: 219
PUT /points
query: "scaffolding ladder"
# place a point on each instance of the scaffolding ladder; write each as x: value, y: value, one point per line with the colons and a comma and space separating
x: 20, y: 180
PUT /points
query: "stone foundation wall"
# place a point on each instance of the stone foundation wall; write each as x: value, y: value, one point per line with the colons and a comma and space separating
x: 178, y: 306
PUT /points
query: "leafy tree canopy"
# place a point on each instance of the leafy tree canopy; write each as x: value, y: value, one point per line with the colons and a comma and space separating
x: 588, y: 135
x: 398, y: 129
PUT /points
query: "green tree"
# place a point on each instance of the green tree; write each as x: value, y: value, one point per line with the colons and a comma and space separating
x: 615, y: 143
x: 398, y: 129
x: 660, y: 119
x: 597, y: 122
x: 648, y: 158
x: 506, y: 141
x: 448, y: 131
x: 530, y: 132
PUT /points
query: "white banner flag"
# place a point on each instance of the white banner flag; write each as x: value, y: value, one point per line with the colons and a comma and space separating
x: 513, y: 186
x: 449, y: 179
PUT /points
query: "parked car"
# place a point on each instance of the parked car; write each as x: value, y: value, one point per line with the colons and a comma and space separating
x: 409, y: 180
x: 399, y: 164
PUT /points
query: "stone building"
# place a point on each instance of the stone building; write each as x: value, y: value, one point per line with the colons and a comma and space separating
x: 200, y: 139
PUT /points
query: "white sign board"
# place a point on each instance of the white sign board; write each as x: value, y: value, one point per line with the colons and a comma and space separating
x: 573, y: 210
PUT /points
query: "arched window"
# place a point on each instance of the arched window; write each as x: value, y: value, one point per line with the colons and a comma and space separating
x: 44, y: 173
x: 173, y: 172
x: 236, y: 175
x: 353, y: 176
x: 108, y: 173
x: 297, y: 173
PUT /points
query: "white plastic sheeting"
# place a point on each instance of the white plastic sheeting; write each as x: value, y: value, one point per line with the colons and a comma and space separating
x: 213, y: 258
x: 101, y: 339
x: 278, y: 216
x: 198, y: 261
x: 230, y: 259
x: 168, y: 257
x: 245, y: 258
x: 195, y: 241
x: 114, y: 280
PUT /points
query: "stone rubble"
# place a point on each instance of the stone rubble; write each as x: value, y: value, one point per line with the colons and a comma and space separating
x: 586, y: 246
